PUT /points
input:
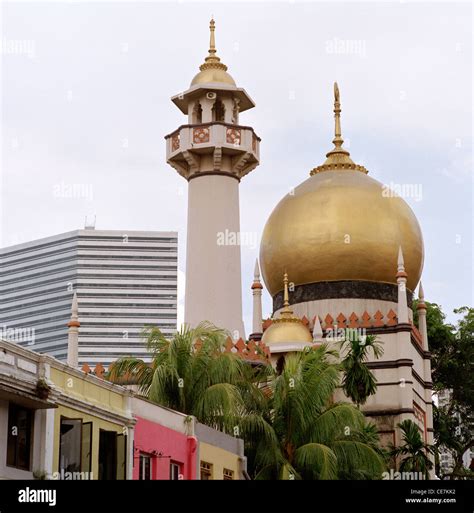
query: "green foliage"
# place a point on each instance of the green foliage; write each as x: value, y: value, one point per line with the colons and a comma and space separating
x: 452, y: 353
x: 310, y: 436
x: 290, y: 425
x: 413, y: 453
x: 358, y: 381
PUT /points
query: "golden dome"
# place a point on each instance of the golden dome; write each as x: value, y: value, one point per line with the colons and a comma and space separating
x: 213, y: 75
x: 286, y: 329
x: 340, y: 225
x: 213, y: 70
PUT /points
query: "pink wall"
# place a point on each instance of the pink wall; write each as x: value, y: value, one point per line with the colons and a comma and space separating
x: 175, y: 447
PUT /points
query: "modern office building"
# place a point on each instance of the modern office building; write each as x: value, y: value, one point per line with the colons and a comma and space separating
x: 124, y: 280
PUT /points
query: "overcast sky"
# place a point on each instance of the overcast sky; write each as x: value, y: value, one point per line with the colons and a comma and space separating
x: 86, y: 90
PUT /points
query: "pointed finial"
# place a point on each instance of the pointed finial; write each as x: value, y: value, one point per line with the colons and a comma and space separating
x: 74, y: 306
x: 256, y: 272
x: 401, y: 262
x: 256, y: 277
x: 421, y: 293
x: 212, y: 61
x: 74, y: 320
x: 400, y: 265
x: 317, y: 329
x: 212, y: 42
x: 286, y: 301
x: 337, y: 117
x: 338, y: 157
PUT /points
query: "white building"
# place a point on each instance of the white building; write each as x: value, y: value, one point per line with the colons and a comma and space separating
x: 123, y: 280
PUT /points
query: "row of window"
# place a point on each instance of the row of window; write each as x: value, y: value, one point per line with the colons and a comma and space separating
x: 207, y: 472
x: 75, y: 446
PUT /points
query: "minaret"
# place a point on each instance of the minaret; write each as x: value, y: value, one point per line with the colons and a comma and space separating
x: 257, y: 305
x: 213, y: 152
x: 73, y: 334
x: 422, y: 317
x: 402, y: 289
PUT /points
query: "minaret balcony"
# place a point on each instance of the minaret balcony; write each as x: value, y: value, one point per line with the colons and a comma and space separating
x: 214, y: 147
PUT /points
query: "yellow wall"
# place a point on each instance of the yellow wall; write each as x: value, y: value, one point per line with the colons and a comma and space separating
x: 220, y: 459
x: 95, y: 395
x: 97, y: 424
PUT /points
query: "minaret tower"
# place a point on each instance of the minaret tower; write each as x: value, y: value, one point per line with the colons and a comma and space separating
x: 213, y: 152
x: 73, y: 334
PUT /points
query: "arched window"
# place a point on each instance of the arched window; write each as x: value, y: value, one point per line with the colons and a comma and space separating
x: 197, y: 114
x: 218, y: 111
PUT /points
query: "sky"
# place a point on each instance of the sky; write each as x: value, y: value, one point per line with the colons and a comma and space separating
x: 85, y: 102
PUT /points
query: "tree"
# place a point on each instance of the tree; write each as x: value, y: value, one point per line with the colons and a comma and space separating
x: 309, y: 436
x: 358, y: 380
x: 196, y: 379
x: 452, y: 355
x: 413, y: 451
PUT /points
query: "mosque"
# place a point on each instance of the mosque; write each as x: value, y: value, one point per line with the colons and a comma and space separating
x: 337, y: 253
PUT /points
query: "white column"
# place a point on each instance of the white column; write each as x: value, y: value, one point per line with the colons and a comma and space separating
x: 257, y: 301
x: 73, y: 335
x: 422, y: 317
x: 213, y: 261
x: 402, y: 290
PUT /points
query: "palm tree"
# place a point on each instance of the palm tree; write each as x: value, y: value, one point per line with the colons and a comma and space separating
x: 414, y: 451
x: 192, y: 373
x: 303, y: 433
x: 358, y: 381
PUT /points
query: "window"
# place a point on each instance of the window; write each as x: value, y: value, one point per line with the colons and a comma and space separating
x: 75, y: 448
x: 20, y: 427
x: 206, y: 471
x: 70, y: 445
x: 112, y: 455
x: 175, y: 471
x: 228, y: 475
x: 145, y: 466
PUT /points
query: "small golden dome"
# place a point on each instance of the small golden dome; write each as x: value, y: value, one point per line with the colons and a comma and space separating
x: 340, y: 225
x: 213, y: 70
x: 286, y: 329
x: 211, y: 75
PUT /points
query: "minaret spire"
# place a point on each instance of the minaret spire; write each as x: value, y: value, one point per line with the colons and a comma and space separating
x: 422, y: 326
x: 73, y: 334
x: 287, y: 311
x: 338, y: 157
x: 257, y: 304
x: 212, y: 60
x: 212, y: 42
x: 402, y: 289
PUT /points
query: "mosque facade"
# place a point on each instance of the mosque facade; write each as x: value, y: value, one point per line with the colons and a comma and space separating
x: 338, y: 255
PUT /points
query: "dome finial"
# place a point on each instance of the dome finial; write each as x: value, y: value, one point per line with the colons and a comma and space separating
x: 338, y: 157
x: 212, y: 42
x: 337, y: 117
x: 212, y: 61
x: 287, y: 311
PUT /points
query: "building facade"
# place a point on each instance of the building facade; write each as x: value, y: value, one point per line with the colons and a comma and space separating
x: 123, y: 280
x: 58, y: 422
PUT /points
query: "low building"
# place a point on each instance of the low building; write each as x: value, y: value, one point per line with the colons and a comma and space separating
x: 24, y: 415
x: 93, y: 426
x: 221, y: 456
x: 165, y: 447
x: 58, y: 422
